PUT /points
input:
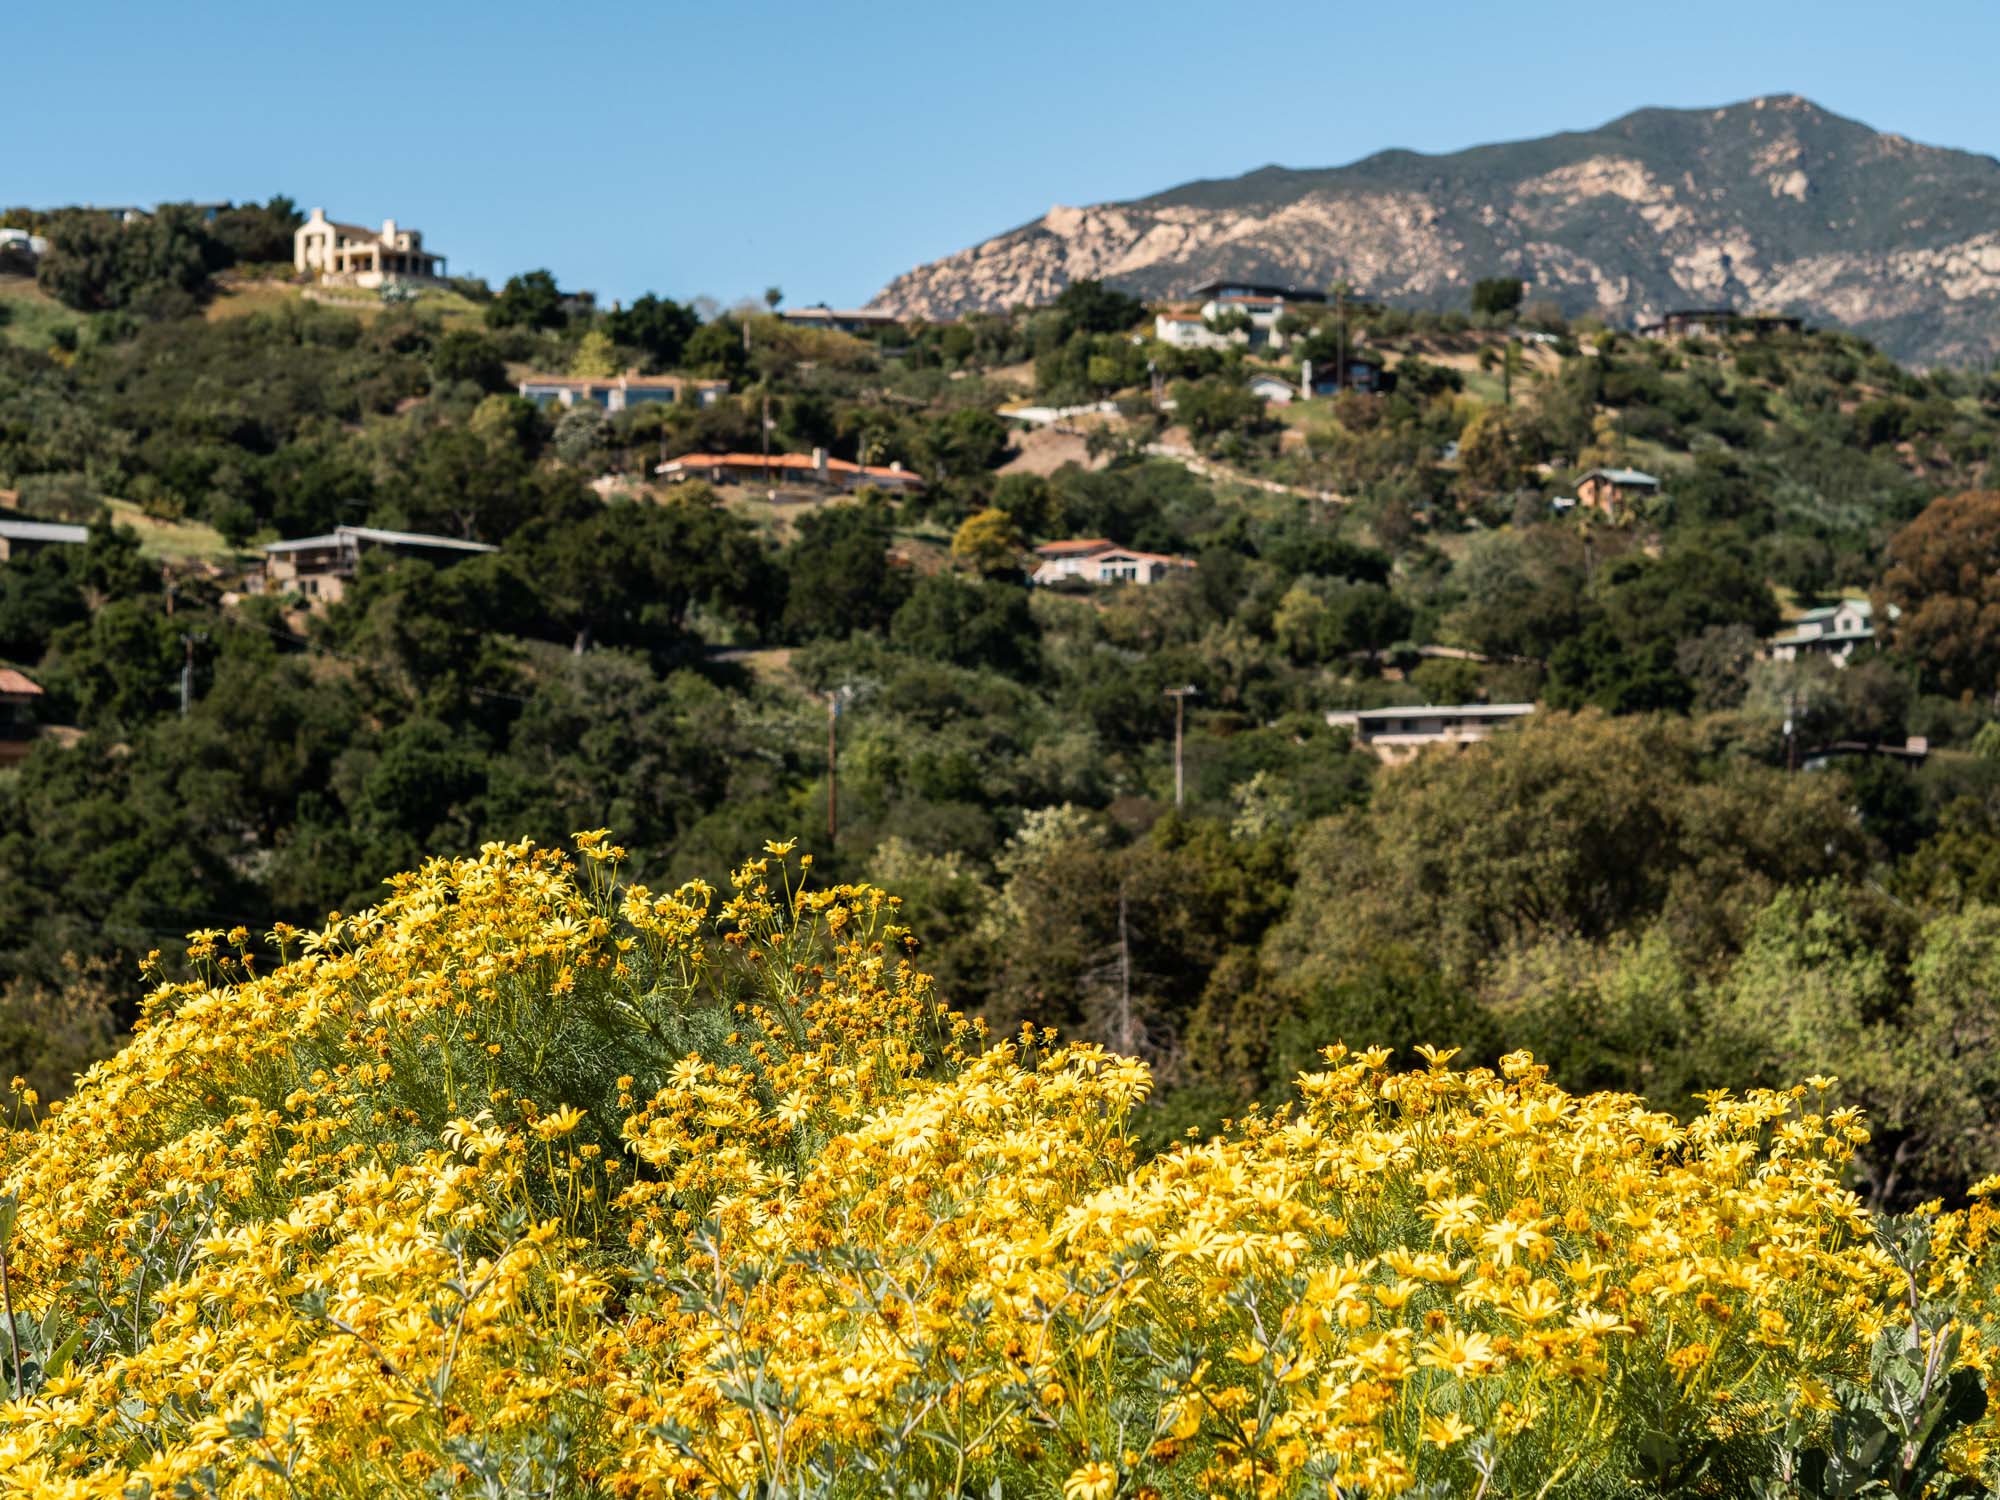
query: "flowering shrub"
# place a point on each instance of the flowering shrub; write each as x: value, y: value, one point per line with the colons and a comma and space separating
x: 531, y: 1183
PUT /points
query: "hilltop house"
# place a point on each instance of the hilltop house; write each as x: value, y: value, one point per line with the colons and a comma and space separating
x: 855, y: 320
x: 1099, y: 560
x: 1836, y: 631
x: 351, y: 255
x: 20, y: 537
x: 1612, y: 490
x: 1224, y: 287
x: 776, y: 469
x: 1399, y: 734
x: 1260, y: 306
x: 17, y: 715
x: 620, y: 392
x: 1716, y: 322
x: 319, y: 567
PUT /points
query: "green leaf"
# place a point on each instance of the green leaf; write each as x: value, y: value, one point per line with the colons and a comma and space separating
x: 59, y: 1357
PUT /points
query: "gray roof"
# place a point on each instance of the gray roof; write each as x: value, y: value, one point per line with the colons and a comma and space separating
x: 1621, y: 476
x: 379, y: 537
x: 1440, y: 710
x: 43, y: 531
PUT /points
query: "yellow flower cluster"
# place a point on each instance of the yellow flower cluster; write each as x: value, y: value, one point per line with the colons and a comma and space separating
x: 529, y: 1181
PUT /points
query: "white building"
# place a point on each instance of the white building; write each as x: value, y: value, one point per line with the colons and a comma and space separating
x: 1099, y: 560
x: 1272, y: 389
x: 351, y: 255
x: 1836, y: 631
x: 34, y: 246
x: 1197, y: 329
x: 621, y: 392
x: 1398, y: 734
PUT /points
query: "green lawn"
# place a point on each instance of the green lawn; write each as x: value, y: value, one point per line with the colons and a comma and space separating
x: 29, y: 316
x: 172, y: 541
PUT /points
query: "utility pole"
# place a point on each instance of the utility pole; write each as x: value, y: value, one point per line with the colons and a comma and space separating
x: 1340, y: 335
x: 836, y: 698
x: 1125, y: 1042
x: 1180, y: 696
x: 832, y: 759
x: 187, y: 668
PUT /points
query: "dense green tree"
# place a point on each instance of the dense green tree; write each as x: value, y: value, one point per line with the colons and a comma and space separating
x: 466, y: 354
x: 657, y: 326
x: 529, y: 300
x: 840, y: 578
x: 970, y: 624
x: 1943, y: 578
x: 158, y: 263
x: 716, y: 349
x: 1496, y: 295
x: 1092, y: 307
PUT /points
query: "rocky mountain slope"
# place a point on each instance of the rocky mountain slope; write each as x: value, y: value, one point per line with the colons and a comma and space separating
x: 1774, y: 204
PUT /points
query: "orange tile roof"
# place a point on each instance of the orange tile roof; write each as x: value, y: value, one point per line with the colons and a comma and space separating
x: 1076, y: 545
x: 14, y: 682
x: 802, y: 462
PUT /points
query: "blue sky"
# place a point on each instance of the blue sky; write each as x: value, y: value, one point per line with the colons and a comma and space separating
x: 723, y: 147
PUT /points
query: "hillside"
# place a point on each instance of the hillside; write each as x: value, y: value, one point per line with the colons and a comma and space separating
x: 1774, y: 203
x: 206, y: 742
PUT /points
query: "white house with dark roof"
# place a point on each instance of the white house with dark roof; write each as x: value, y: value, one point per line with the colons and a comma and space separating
x: 1399, y: 734
x: 355, y: 255
x: 1836, y: 631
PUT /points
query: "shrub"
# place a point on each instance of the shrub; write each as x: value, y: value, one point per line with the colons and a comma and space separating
x: 529, y: 1182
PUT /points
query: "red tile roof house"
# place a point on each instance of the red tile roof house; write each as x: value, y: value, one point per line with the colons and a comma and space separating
x: 814, y: 468
x: 1099, y: 560
x: 17, y: 715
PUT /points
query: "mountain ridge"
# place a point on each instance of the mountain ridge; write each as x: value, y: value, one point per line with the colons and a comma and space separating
x: 1774, y: 202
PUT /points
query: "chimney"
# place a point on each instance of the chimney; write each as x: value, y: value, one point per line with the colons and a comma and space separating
x: 389, y: 231
x: 819, y: 462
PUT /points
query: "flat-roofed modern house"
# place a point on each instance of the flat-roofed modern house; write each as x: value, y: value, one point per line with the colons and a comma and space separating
x: 781, y: 469
x: 1836, y: 632
x: 320, y: 567
x: 355, y: 255
x: 1399, y: 734
x: 1717, y: 322
x: 20, y: 537
x: 621, y: 392
x: 1099, y: 560
x: 1223, y: 286
x: 1614, y: 490
x: 18, y: 696
x: 841, y: 319
x: 1362, y: 373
